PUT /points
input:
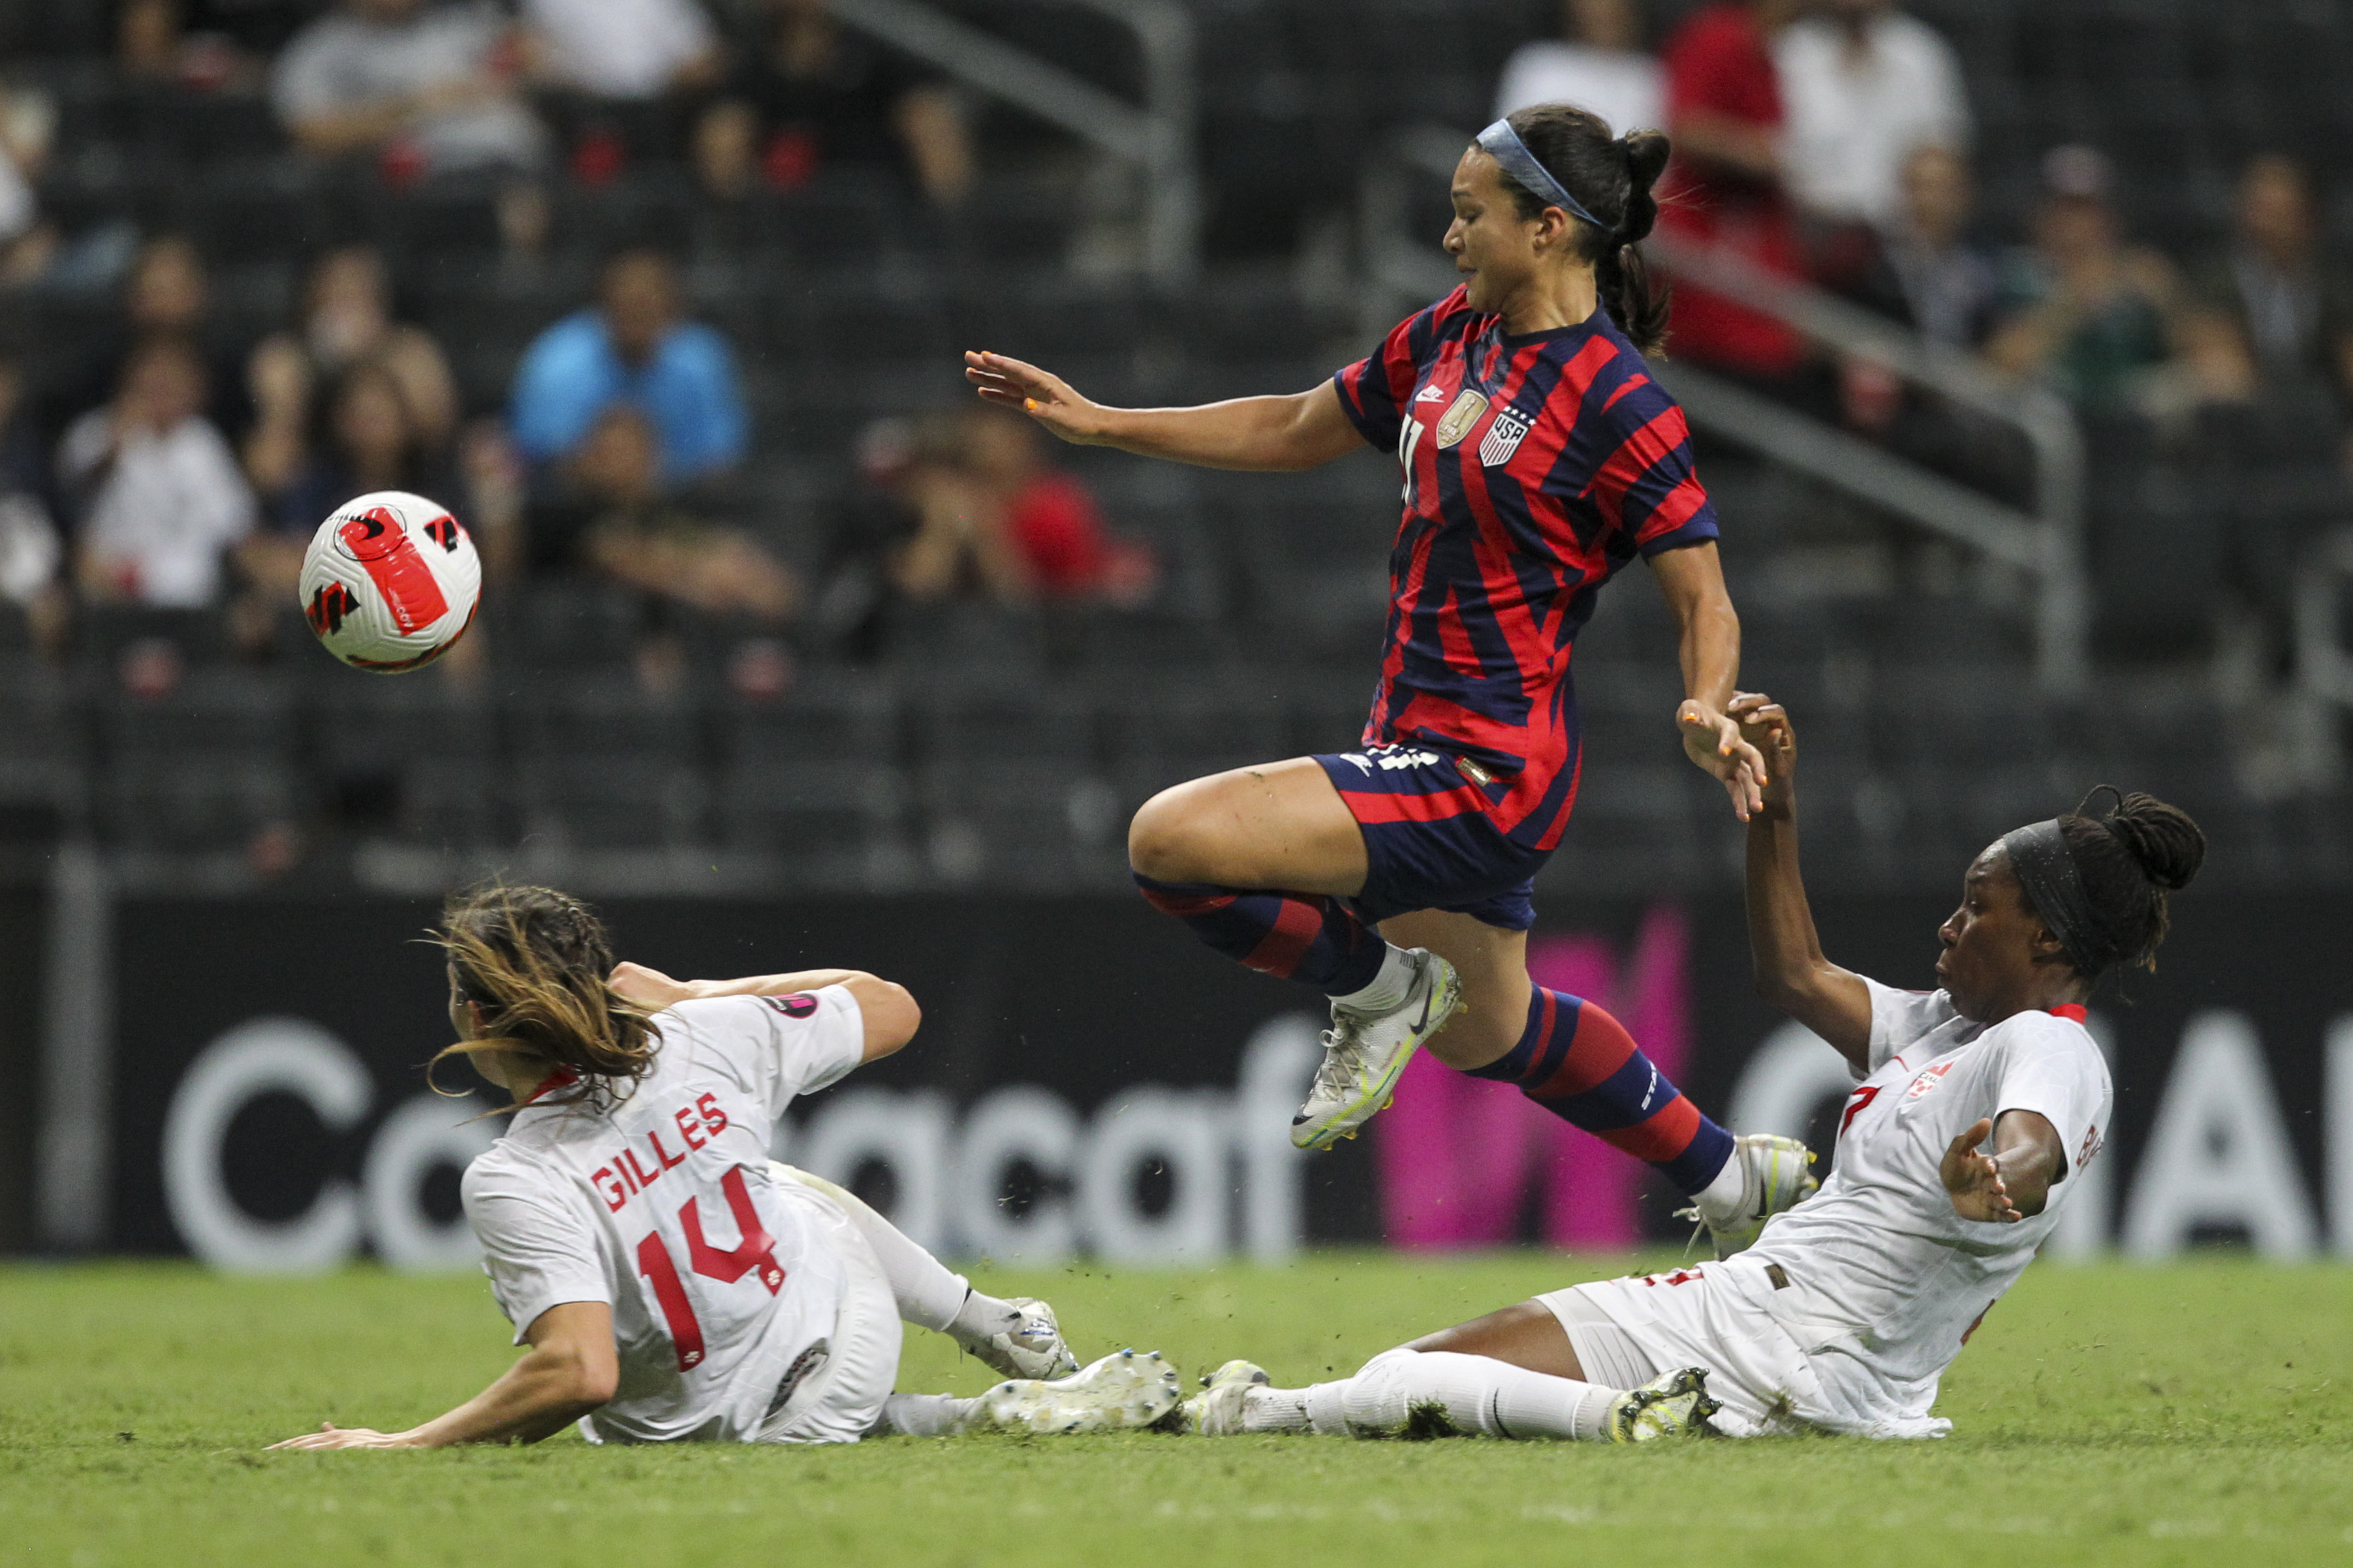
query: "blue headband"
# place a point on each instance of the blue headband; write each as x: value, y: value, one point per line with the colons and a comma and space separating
x: 1502, y: 143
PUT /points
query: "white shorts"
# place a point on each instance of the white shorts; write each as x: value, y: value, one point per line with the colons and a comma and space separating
x: 1711, y: 1315
x: 842, y: 1401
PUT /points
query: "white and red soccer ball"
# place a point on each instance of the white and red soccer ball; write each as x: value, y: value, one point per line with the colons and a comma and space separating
x: 391, y: 582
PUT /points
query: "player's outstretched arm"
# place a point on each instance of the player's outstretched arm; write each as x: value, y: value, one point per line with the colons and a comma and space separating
x: 1708, y: 634
x: 887, y: 1008
x: 2014, y: 1180
x: 1254, y: 434
x: 570, y: 1370
x: 1784, y: 947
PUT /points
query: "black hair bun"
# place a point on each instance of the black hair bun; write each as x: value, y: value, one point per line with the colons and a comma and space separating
x: 1646, y: 158
x: 2162, y: 839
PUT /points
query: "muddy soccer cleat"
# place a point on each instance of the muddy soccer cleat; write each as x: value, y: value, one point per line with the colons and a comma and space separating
x: 1217, y: 1410
x: 1775, y: 1175
x: 1364, y: 1054
x: 1119, y: 1393
x: 1032, y: 1348
x: 1673, y: 1405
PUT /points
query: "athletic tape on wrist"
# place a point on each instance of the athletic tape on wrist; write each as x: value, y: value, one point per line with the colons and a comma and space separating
x: 1502, y: 143
x: 2046, y: 869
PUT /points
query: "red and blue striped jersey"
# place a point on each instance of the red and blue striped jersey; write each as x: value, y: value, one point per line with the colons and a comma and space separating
x: 1535, y: 467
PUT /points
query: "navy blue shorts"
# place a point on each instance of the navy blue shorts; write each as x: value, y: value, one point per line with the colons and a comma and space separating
x: 1431, y: 841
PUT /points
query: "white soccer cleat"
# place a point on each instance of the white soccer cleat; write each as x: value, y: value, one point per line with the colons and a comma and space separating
x: 1773, y: 1176
x: 1118, y: 1393
x: 1672, y: 1404
x: 1364, y: 1054
x: 1032, y: 1348
x: 1217, y: 1410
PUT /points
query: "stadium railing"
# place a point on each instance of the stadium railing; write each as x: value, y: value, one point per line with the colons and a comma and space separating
x: 1156, y: 138
x: 2046, y: 544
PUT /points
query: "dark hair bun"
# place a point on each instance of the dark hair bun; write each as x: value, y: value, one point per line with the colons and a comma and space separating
x: 1646, y: 156
x: 2162, y: 839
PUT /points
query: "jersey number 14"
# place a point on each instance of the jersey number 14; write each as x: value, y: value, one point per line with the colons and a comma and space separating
x: 755, y: 1251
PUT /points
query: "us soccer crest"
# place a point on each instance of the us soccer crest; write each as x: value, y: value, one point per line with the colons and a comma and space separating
x: 1503, y: 437
x: 1460, y: 416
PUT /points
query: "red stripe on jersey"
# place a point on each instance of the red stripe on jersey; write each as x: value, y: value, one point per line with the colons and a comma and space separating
x: 1369, y: 807
x: 1636, y: 456
x: 1676, y: 510
x: 1632, y: 383
x: 2074, y: 1012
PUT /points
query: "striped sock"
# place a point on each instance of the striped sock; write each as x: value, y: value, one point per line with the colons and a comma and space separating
x: 1304, y: 937
x: 1580, y: 1064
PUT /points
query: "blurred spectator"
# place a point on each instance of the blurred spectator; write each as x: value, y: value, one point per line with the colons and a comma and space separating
x: 635, y: 347
x: 31, y: 551
x: 425, y: 88
x: 1596, y: 63
x: 206, y: 44
x: 924, y: 528
x: 346, y: 321
x: 167, y: 292
x: 2084, y: 311
x: 1049, y: 518
x: 810, y: 94
x: 28, y: 120
x: 624, y: 50
x: 2294, y: 311
x: 1864, y: 87
x: 608, y: 515
x: 1934, y: 276
x: 158, y: 492
x: 1725, y: 113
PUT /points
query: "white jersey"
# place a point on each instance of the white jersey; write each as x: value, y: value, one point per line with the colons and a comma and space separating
x: 722, y: 1288
x: 1885, y: 1280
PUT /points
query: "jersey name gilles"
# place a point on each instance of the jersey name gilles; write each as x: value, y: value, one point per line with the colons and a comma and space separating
x: 627, y: 1175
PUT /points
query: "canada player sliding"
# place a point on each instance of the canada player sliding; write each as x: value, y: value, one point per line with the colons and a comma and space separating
x: 1975, y: 1108
x: 1539, y: 458
x: 671, y: 1283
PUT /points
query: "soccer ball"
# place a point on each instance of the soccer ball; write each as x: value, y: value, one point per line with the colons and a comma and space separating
x: 390, y: 582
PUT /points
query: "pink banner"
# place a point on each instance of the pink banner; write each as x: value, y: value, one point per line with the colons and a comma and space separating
x: 1460, y: 1157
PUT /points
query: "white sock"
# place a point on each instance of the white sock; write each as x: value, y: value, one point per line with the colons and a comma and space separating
x: 928, y: 1294
x: 1325, y: 1405
x: 1725, y: 1196
x: 925, y: 1415
x: 982, y: 1317
x: 1475, y: 1395
x: 1275, y: 1410
x: 1388, y: 988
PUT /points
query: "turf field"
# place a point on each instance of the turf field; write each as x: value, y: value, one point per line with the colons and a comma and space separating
x: 2104, y: 1415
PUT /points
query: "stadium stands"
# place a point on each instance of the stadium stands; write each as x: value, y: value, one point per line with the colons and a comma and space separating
x: 1004, y: 746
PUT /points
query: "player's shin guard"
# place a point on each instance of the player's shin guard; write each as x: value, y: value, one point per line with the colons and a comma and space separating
x: 1304, y: 937
x: 1580, y: 1064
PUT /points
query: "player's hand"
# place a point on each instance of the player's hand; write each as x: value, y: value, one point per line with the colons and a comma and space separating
x: 329, y: 1435
x: 1713, y: 743
x: 1045, y: 397
x: 650, y: 988
x: 1764, y: 725
x: 1973, y: 1179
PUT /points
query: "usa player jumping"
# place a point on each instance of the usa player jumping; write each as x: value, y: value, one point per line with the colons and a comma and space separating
x: 1540, y: 459
x: 673, y: 1284
x: 1844, y: 1314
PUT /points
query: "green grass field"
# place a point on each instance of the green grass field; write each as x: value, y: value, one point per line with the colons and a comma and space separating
x: 2104, y: 1414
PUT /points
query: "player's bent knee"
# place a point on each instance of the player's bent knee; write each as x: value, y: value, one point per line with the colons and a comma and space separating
x: 1167, y: 841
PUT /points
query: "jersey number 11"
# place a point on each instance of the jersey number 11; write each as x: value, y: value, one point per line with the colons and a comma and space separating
x: 756, y: 1250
